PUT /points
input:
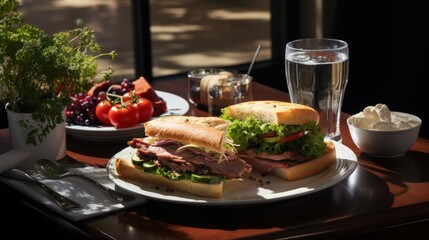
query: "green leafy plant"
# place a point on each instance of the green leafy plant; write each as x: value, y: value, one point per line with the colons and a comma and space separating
x: 40, y: 72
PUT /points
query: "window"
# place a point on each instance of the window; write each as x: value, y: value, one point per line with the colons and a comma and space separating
x: 111, y: 20
x: 199, y: 33
x: 184, y: 34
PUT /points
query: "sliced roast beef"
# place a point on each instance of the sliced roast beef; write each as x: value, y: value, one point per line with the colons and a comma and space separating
x: 287, y: 155
x: 265, y: 163
x: 265, y: 166
x: 136, y: 142
x: 191, y: 159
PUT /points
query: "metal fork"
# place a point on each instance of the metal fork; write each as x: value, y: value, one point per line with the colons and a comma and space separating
x: 54, y: 170
x: 30, y: 176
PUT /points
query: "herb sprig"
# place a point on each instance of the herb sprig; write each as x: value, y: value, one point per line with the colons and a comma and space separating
x: 39, y: 72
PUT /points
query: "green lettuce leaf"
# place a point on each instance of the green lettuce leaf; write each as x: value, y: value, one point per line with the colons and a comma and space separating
x: 246, y: 134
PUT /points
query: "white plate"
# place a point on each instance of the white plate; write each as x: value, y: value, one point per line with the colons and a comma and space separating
x: 250, y: 190
x: 176, y: 105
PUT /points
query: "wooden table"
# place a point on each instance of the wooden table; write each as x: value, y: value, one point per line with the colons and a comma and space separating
x: 385, y: 197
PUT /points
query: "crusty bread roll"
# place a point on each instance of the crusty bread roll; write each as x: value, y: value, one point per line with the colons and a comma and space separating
x: 276, y: 112
x: 308, y: 168
x: 127, y: 170
x: 208, y: 132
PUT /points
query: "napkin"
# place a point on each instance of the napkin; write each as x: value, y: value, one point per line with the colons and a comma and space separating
x: 95, y: 201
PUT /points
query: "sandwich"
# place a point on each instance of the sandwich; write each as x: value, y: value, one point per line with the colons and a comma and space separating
x: 279, y: 138
x: 183, y: 153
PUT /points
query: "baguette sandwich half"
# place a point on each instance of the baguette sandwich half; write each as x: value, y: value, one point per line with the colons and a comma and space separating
x: 183, y: 153
x: 279, y: 138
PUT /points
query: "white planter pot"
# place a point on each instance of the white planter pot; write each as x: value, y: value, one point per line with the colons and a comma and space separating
x: 53, y: 147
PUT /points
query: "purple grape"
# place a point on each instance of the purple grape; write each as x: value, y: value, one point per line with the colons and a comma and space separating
x: 82, y: 110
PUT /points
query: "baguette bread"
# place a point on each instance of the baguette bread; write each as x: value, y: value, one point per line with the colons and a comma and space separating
x: 276, y: 112
x: 308, y: 168
x: 127, y: 170
x: 183, y: 153
x: 208, y: 132
x: 298, y: 171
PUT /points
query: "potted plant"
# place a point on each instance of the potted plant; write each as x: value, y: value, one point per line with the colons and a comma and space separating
x: 40, y: 72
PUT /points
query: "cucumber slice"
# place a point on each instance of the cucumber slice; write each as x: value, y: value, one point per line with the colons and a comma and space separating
x: 210, y: 179
x: 170, y: 174
x: 149, y: 167
x: 271, y: 139
x: 136, y: 160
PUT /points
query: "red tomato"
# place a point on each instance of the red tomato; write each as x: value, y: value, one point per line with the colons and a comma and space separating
x: 128, y: 96
x: 123, y: 115
x: 268, y: 135
x: 145, y: 108
x: 272, y: 137
x: 292, y: 137
x: 102, y: 111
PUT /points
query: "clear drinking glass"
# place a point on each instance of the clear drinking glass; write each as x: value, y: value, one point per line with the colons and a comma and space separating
x: 317, y: 73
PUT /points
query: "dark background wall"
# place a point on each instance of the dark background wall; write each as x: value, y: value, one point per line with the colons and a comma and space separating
x: 388, y: 52
x: 388, y: 55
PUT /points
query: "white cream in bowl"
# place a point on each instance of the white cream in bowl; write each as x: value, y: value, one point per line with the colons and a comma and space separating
x: 379, y: 117
x: 379, y: 132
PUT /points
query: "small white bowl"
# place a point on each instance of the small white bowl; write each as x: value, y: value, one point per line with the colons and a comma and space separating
x: 385, y: 143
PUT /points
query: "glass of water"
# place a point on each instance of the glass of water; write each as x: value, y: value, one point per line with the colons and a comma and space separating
x: 317, y: 73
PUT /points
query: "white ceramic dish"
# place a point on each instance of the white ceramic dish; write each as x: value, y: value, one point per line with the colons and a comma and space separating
x: 176, y: 105
x: 248, y: 190
x: 385, y: 144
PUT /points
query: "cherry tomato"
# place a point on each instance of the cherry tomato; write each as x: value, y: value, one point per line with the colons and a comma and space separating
x: 128, y: 96
x: 145, y: 108
x: 102, y: 111
x: 123, y: 115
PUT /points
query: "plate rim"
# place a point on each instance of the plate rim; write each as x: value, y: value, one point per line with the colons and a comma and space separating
x: 336, y: 174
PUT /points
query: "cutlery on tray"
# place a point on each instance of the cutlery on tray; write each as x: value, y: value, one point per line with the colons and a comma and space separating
x: 31, y: 176
x: 54, y: 170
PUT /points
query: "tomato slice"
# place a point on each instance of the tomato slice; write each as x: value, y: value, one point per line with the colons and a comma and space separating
x: 291, y: 137
x: 268, y: 137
